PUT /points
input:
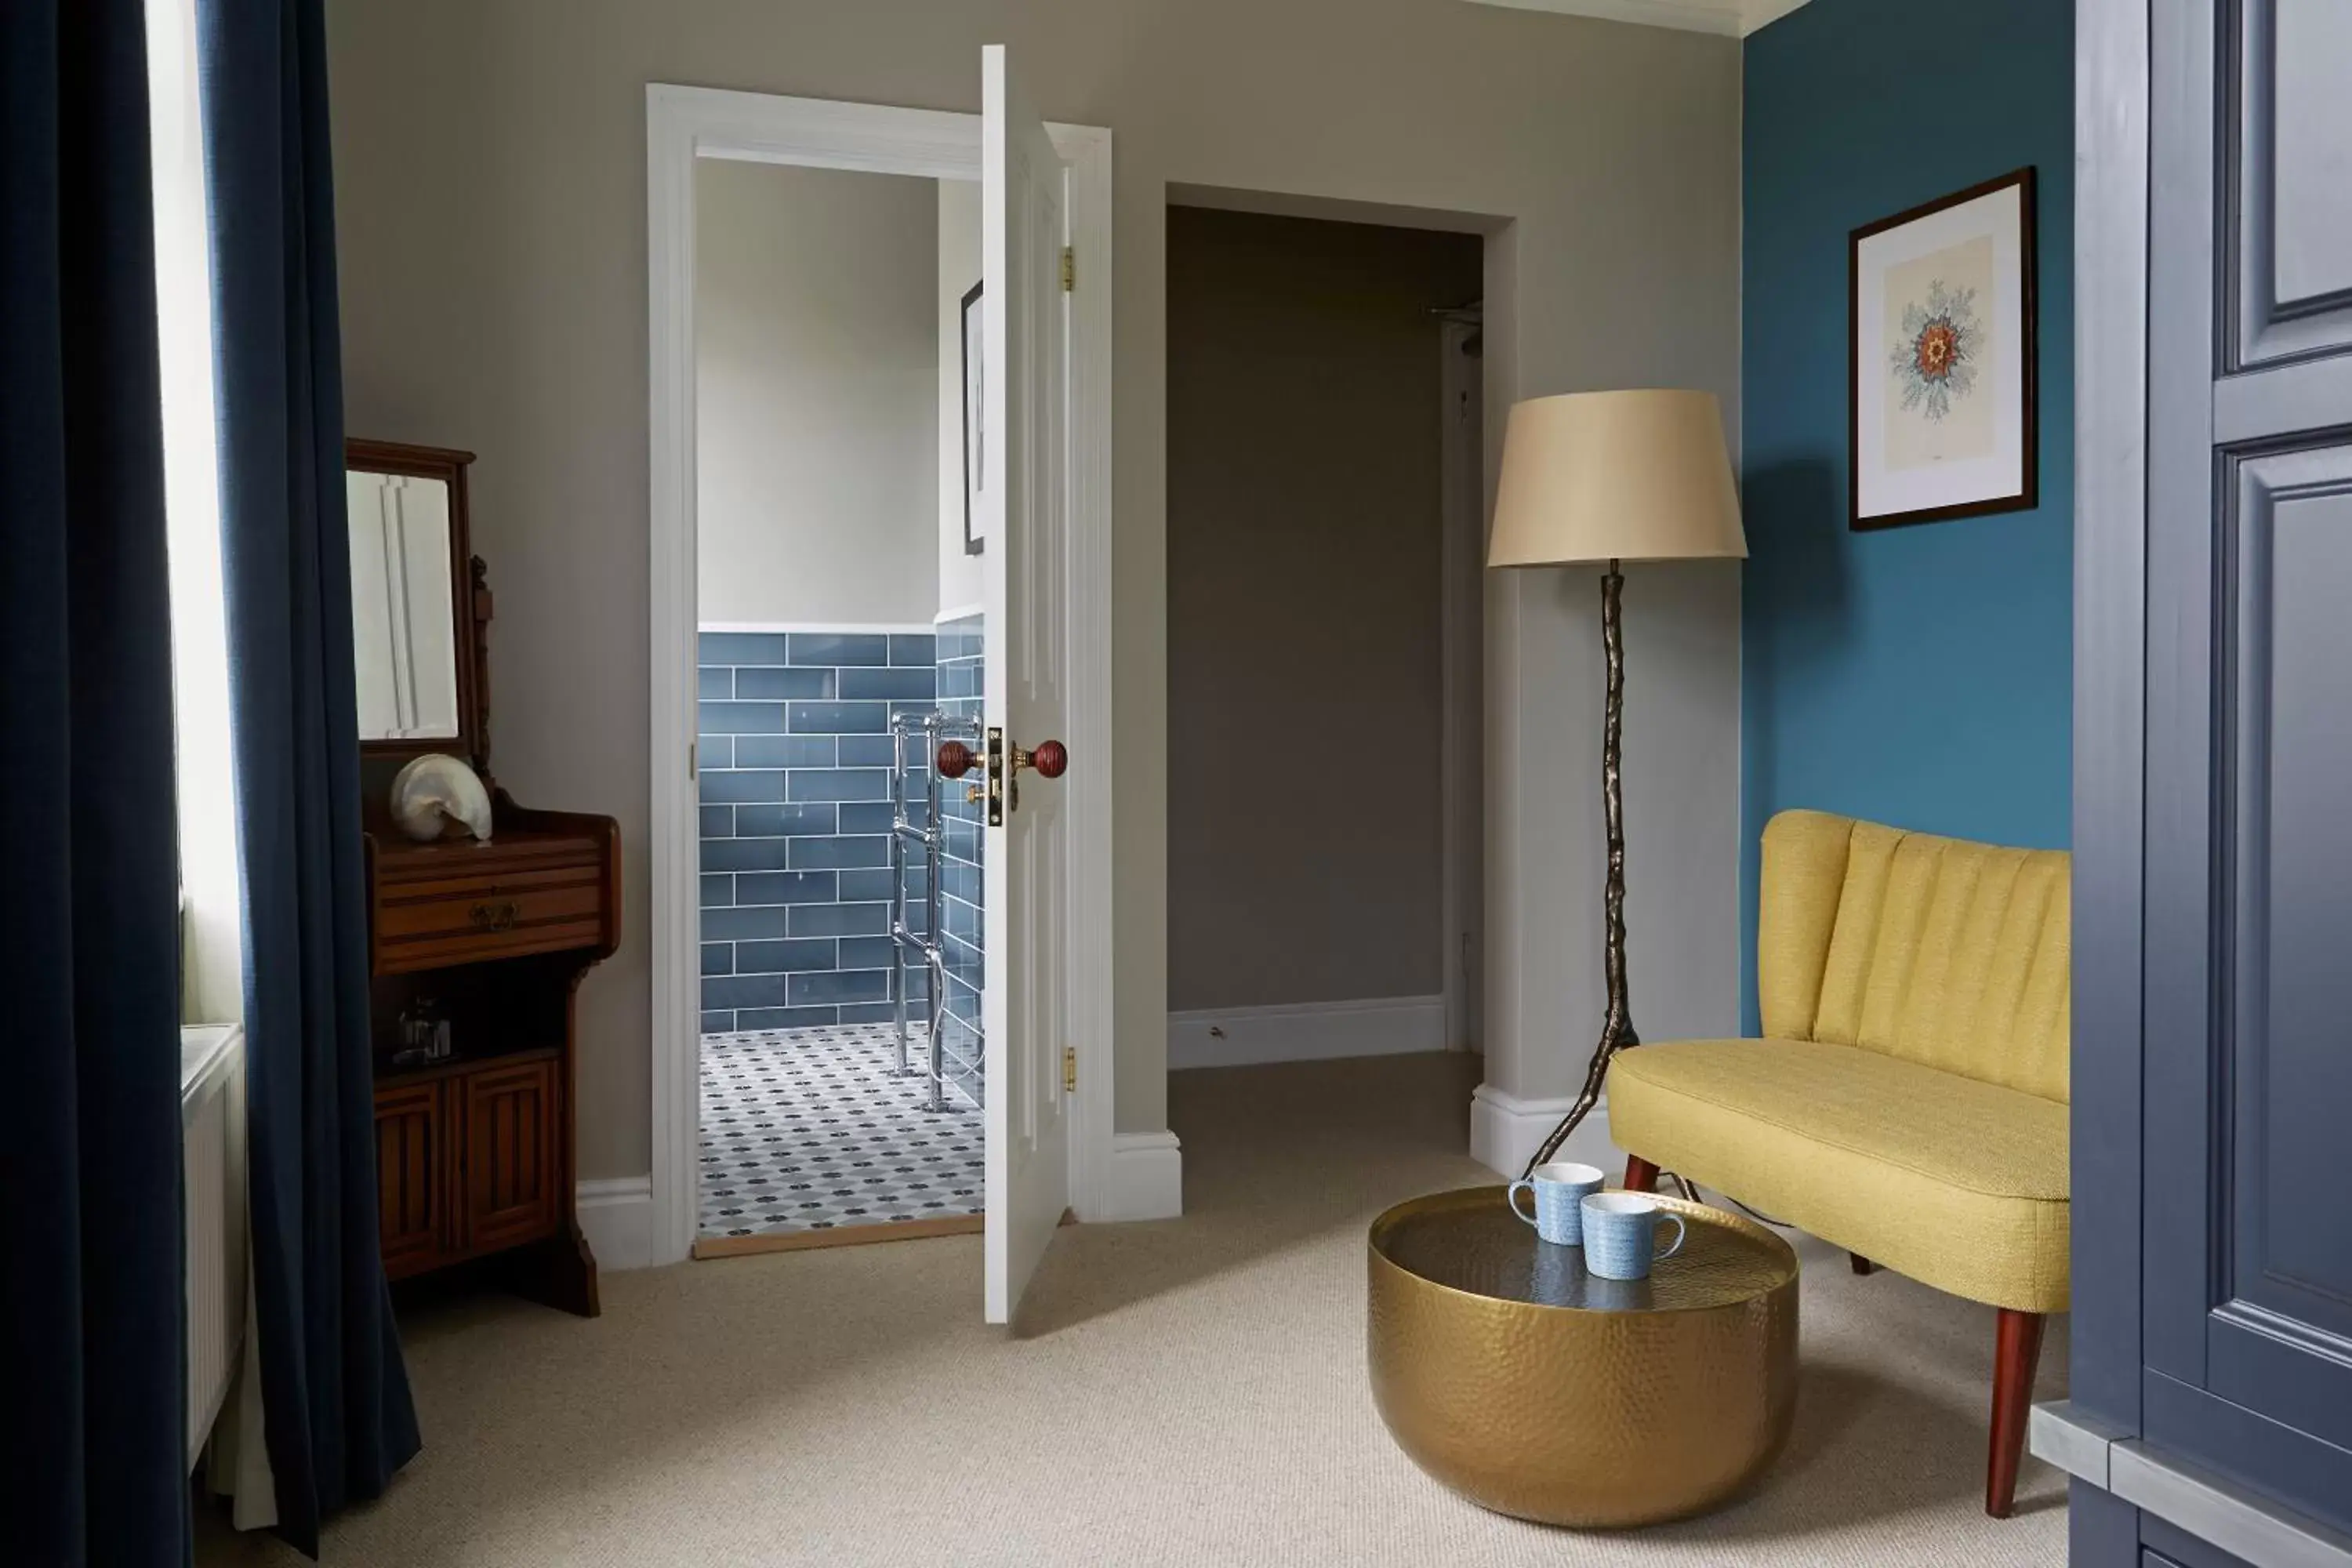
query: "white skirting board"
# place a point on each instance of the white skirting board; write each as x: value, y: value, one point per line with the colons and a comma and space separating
x: 1146, y: 1178
x: 1505, y: 1131
x: 1305, y: 1031
x: 616, y: 1214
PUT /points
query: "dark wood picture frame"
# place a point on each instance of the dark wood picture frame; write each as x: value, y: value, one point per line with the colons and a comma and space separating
x: 2028, y: 495
x: 468, y: 599
x: 973, y: 543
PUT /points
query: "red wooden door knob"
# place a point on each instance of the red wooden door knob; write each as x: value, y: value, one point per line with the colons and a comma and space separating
x: 1051, y: 759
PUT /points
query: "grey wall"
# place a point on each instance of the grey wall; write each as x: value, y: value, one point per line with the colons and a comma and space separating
x: 816, y: 394
x: 1304, y: 506
x: 490, y: 202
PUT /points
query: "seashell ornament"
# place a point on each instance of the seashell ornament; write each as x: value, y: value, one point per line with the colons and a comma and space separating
x: 435, y: 790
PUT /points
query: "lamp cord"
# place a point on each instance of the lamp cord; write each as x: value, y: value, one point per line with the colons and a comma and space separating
x: 1690, y: 1192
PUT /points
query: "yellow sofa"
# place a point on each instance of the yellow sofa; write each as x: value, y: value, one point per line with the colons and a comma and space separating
x: 1908, y: 1100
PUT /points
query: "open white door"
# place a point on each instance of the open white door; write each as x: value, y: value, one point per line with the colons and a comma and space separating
x: 1024, y: 502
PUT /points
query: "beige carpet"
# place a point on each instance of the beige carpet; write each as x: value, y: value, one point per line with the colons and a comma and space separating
x: 1191, y: 1392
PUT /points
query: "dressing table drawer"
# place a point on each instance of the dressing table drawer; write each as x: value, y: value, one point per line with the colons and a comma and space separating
x: 446, y: 904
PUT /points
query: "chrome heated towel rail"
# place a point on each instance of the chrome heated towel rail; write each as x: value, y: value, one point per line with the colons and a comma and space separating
x: 910, y: 948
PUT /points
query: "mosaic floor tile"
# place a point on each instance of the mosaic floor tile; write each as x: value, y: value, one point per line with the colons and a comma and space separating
x: 808, y: 1130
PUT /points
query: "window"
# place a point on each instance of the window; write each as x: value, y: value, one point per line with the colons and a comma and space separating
x: 211, y: 931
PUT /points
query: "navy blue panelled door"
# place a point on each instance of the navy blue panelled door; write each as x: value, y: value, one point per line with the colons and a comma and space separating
x: 2248, y: 1094
x: 2210, y: 1420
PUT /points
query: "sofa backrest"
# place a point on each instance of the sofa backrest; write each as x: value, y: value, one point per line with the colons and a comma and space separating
x: 1940, y: 951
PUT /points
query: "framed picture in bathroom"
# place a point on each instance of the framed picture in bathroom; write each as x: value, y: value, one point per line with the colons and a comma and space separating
x: 975, y: 444
x: 1941, y: 400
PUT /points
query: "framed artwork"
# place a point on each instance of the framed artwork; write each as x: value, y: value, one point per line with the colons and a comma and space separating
x: 975, y: 409
x: 1941, y: 396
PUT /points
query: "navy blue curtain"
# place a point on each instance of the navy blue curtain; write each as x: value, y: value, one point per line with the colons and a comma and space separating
x: 335, y: 1394
x: 93, y: 1399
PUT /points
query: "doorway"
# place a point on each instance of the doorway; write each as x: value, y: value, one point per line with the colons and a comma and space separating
x: 1325, y: 531
x: 1062, y: 176
x: 840, y: 1073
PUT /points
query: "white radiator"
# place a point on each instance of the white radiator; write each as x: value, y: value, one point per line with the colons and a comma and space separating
x: 212, y: 1124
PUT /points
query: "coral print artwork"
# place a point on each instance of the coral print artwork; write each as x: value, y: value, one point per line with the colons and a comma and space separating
x: 1940, y: 349
x: 1941, y: 399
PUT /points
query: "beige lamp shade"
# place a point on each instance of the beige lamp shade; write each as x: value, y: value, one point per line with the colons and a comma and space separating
x: 1615, y: 476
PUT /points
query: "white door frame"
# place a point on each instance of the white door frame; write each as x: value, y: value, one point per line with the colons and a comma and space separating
x: 683, y: 124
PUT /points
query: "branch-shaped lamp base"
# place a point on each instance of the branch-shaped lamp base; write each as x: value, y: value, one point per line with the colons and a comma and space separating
x: 1617, y: 1027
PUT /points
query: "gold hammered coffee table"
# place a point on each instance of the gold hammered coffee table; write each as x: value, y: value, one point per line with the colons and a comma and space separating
x: 1536, y: 1389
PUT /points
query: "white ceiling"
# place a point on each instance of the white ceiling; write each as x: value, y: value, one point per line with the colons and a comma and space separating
x: 1729, y: 18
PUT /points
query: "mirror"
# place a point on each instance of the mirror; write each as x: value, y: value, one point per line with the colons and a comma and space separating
x: 412, y: 649
x: 403, y: 627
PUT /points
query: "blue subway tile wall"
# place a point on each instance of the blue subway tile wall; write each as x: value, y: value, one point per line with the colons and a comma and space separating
x: 960, y: 693
x: 794, y: 761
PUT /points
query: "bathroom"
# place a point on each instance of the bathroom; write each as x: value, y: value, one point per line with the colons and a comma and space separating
x: 840, y: 642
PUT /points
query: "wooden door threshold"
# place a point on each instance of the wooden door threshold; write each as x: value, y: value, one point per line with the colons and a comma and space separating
x: 710, y: 1246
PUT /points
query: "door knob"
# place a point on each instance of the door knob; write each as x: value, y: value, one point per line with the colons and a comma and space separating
x: 1050, y: 758
x: 954, y: 760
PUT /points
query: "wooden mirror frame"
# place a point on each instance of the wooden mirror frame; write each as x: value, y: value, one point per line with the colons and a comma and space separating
x: 469, y: 597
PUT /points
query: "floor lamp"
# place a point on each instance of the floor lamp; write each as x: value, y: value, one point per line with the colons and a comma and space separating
x: 1613, y: 477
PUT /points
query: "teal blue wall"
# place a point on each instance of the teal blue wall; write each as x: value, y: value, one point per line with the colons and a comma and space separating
x: 1920, y: 675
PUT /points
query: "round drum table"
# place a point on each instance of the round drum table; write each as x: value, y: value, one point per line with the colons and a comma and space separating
x: 1536, y: 1389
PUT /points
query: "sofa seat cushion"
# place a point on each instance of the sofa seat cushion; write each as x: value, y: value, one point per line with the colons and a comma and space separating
x: 1961, y: 1184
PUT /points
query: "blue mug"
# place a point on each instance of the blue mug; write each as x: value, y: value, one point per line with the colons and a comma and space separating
x: 1621, y: 1234
x: 1558, y: 1189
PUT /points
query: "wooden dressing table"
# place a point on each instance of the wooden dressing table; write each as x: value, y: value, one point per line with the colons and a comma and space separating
x: 475, y: 1152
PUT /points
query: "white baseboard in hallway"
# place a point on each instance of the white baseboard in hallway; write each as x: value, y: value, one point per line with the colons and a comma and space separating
x: 1146, y: 1178
x: 616, y: 1215
x: 1305, y: 1031
x: 1505, y: 1131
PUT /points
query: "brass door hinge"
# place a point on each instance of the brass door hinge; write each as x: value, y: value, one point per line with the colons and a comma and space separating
x: 1069, y: 1069
x: 1069, y: 269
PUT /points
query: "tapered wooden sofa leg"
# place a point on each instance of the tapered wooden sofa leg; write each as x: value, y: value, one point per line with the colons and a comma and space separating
x: 1641, y: 1176
x: 2017, y: 1347
x: 1862, y: 1265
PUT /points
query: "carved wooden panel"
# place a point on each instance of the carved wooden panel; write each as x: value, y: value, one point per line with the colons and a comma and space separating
x: 412, y: 1168
x: 2288, y: 123
x: 511, y: 1166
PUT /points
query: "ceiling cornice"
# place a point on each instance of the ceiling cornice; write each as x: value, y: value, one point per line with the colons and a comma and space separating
x: 1725, y: 18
